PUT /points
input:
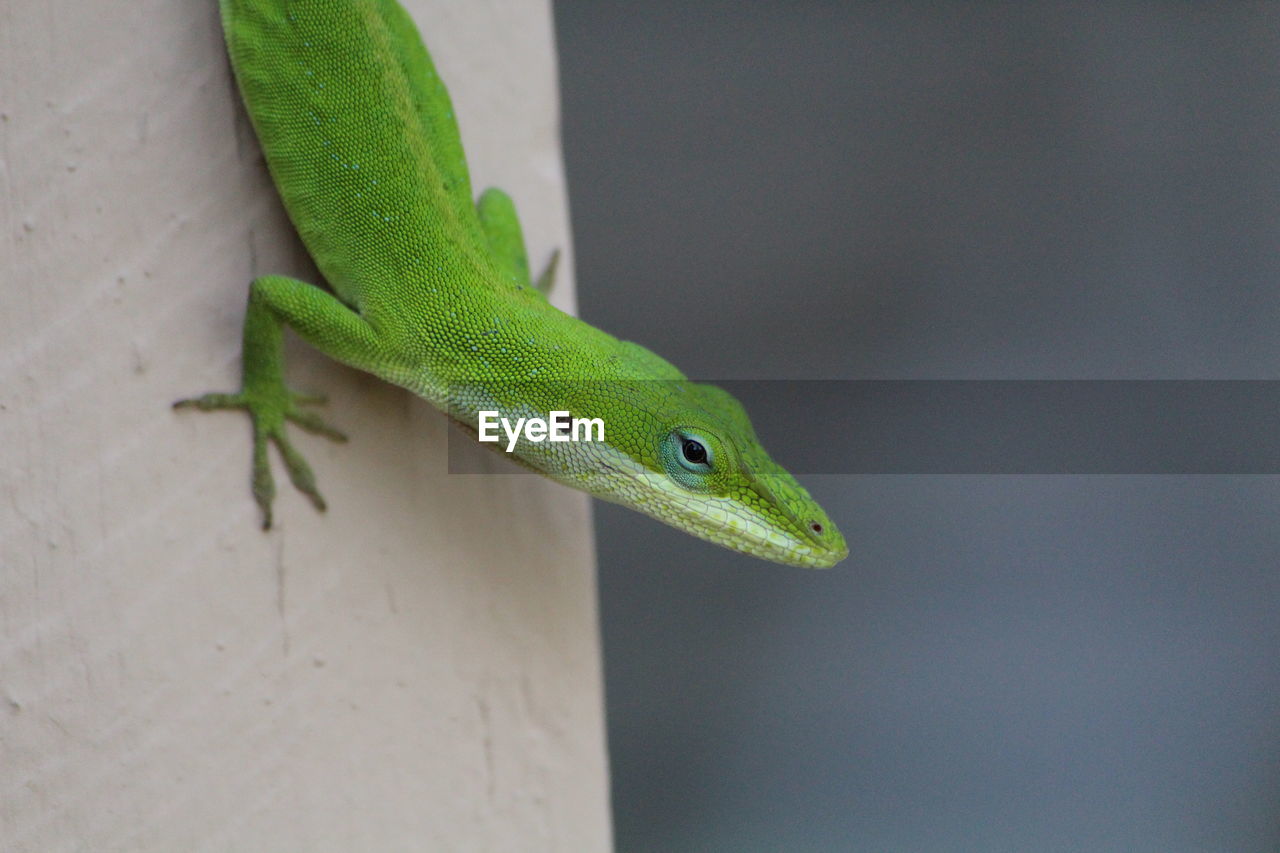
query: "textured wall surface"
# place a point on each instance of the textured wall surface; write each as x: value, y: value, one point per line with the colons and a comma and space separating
x: 417, y: 669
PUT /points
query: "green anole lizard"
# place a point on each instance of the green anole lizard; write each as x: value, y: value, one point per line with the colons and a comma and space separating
x: 433, y: 292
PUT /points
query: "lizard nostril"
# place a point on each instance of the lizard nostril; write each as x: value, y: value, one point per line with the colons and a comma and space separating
x: 815, y: 527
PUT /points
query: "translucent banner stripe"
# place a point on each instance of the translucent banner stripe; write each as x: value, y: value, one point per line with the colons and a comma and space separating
x: 1000, y: 426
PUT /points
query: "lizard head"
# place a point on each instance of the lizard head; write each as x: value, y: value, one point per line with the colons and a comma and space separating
x: 693, y: 461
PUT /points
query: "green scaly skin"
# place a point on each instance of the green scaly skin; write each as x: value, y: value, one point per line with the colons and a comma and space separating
x: 433, y: 292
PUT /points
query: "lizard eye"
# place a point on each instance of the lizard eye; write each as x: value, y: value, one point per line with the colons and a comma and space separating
x: 694, y: 452
x: 689, y: 458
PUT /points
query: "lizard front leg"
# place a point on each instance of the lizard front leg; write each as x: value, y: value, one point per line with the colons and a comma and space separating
x: 502, y: 230
x: 323, y: 321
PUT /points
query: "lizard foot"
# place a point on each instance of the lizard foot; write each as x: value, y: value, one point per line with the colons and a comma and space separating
x: 270, y: 412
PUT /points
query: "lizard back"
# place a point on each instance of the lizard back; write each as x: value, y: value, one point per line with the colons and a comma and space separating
x: 360, y: 139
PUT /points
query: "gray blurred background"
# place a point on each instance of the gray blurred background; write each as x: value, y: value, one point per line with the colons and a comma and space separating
x: 789, y: 190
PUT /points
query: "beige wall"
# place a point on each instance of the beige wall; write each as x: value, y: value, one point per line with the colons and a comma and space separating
x: 417, y: 669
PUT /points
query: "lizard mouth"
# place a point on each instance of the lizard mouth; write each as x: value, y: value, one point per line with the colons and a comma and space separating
x: 743, y: 529
x: 724, y: 521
